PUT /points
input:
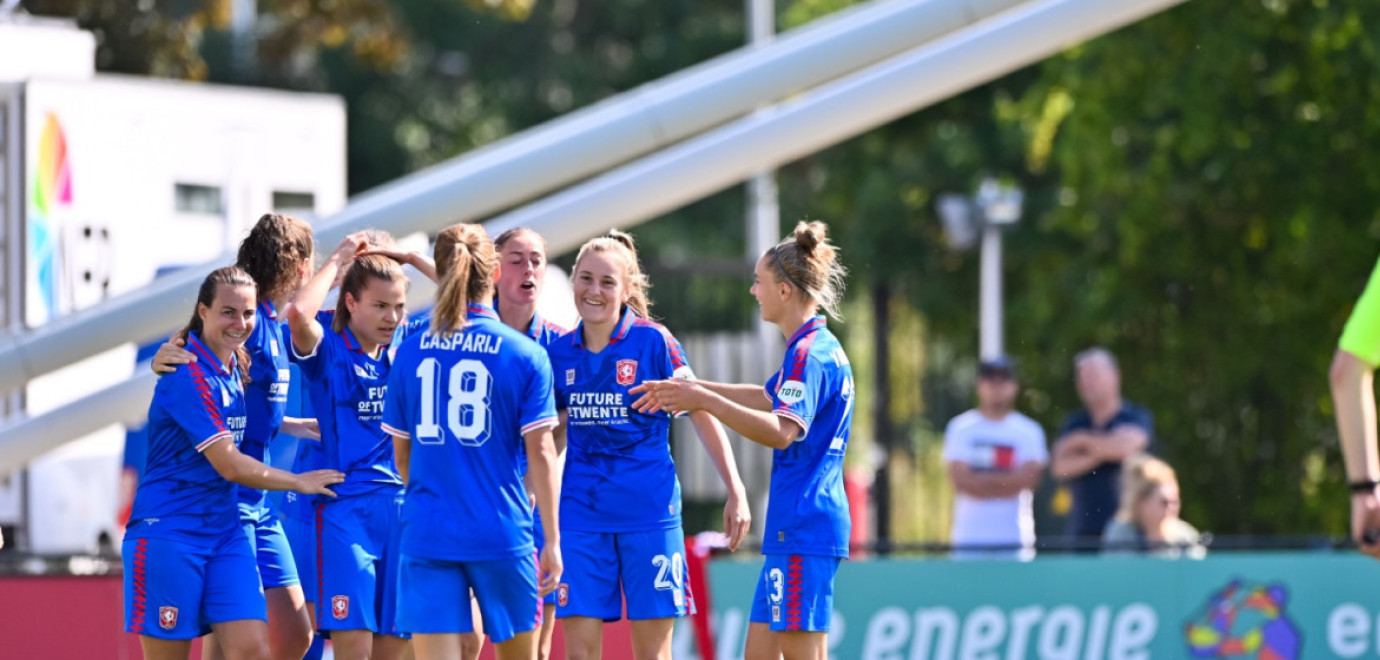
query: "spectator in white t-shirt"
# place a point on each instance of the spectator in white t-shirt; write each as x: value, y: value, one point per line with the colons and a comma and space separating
x: 995, y: 457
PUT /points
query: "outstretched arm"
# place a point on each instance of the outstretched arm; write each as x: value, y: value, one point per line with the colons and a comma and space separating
x: 677, y: 395
x: 226, y: 458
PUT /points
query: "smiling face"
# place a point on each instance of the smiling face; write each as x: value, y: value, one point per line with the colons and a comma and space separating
x: 771, y: 293
x: 377, y: 311
x: 227, y: 322
x: 601, y: 287
x: 523, y: 258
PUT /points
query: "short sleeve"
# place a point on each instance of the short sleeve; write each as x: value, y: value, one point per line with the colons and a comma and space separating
x: 1140, y: 417
x: 538, y: 398
x: 194, y: 401
x: 953, y: 444
x: 675, y: 365
x: 1361, y: 335
x: 396, y: 412
x: 314, y: 366
x: 562, y: 383
x: 798, y: 390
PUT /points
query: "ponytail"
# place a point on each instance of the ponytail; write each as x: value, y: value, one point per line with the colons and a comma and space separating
x: 809, y: 263
x: 469, y: 279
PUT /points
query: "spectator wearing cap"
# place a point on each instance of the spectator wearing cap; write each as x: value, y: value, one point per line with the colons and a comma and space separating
x: 995, y: 457
x: 1094, y: 442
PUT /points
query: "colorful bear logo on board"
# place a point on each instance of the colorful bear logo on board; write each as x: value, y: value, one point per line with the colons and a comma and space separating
x: 1244, y: 621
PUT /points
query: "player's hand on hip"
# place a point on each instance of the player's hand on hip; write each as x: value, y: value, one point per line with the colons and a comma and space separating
x: 549, y: 569
x: 316, y: 482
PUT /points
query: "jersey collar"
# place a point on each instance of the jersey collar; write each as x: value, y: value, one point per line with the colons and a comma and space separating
x: 481, y: 310
x: 268, y: 311
x: 353, y: 344
x: 619, y: 331
x: 812, y: 326
x: 204, y: 354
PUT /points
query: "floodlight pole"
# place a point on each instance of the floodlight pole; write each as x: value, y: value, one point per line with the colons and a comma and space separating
x: 764, y: 212
x: 989, y: 295
x: 999, y: 206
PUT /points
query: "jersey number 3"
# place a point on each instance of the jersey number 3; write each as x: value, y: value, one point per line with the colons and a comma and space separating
x: 466, y: 401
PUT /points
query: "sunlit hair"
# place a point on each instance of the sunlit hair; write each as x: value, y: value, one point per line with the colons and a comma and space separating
x: 357, y: 277
x: 621, y: 243
x: 272, y: 253
x: 809, y: 262
x: 510, y: 234
x: 1141, y: 476
x: 229, y: 276
x: 1096, y: 353
x: 470, y: 279
x: 443, y: 251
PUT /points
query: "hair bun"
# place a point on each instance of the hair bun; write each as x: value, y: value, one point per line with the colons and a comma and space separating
x: 810, y: 235
x: 623, y: 237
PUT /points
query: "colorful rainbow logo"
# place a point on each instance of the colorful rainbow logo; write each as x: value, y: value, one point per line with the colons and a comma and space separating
x: 52, y: 186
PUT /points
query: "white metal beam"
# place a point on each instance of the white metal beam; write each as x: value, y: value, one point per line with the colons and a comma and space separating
x: 732, y: 153
x: 538, y: 161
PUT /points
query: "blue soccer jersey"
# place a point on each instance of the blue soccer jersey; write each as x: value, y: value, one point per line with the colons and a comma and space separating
x: 266, y: 395
x: 346, y: 388
x: 807, y: 513
x: 619, y: 476
x: 465, y: 400
x: 181, y: 494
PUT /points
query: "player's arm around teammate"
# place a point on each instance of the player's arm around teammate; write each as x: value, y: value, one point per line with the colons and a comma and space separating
x: 277, y: 255
x: 805, y: 419
x: 187, y: 560
x: 1353, y: 398
x: 467, y: 398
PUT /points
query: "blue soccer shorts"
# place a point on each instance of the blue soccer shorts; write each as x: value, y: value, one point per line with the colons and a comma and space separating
x: 434, y: 596
x: 178, y: 589
x: 277, y: 568
x: 357, y: 550
x: 795, y: 593
x: 604, y: 568
x: 301, y: 540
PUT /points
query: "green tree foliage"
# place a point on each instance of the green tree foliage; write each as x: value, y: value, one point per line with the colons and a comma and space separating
x: 1200, y: 195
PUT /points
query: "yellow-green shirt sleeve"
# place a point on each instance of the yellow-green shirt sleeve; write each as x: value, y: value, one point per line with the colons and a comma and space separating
x: 1361, y: 337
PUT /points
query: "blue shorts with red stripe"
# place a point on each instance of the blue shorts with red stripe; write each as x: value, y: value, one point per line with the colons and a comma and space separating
x: 795, y: 593
x: 603, y: 570
x: 357, y: 563
x: 434, y: 598
x: 177, y: 589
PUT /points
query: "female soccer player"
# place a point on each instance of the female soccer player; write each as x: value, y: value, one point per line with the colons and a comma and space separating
x: 804, y: 417
x: 277, y: 255
x: 620, y: 500
x: 522, y: 253
x: 187, y: 559
x: 344, y: 363
x: 467, y: 399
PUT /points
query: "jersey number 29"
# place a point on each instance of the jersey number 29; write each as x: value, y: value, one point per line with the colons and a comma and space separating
x: 466, y: 402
